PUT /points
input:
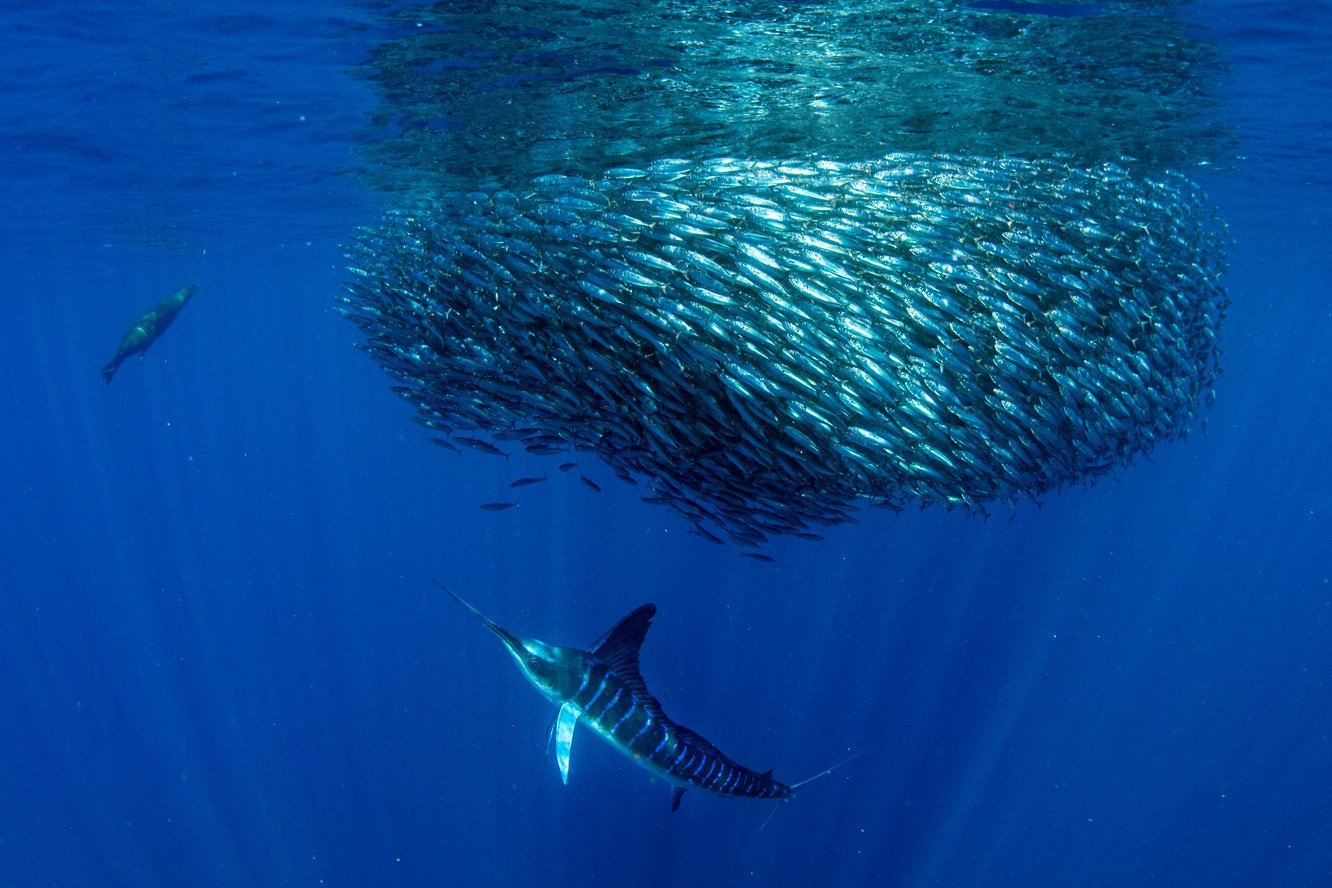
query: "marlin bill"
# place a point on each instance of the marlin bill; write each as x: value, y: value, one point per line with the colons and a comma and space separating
x: 602, y: 686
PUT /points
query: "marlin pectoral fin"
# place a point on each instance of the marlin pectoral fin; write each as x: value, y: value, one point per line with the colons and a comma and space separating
x: 550, y: 735
x: 677, y: 793
x: 564, y: 729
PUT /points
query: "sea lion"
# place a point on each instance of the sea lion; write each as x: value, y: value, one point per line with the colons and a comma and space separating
x: 146, y: 329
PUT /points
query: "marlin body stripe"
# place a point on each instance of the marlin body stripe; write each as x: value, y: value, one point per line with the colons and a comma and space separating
x: 602, y: 688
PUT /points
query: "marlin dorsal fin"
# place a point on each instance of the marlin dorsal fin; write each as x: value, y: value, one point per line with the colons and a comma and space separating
x: 619, y: 647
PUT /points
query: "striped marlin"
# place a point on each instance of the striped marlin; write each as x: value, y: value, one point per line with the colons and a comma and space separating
x: 603, y: 687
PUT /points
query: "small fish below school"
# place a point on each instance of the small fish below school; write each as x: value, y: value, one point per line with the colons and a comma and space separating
x: 481, y: 445
x: 603, y: 687
x: 144, y: 332
x: 498, y: 507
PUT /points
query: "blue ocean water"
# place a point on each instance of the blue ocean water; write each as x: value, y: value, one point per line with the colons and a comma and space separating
x: 222, y: 661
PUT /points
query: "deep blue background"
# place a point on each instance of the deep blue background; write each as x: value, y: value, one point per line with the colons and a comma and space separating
x: 222, y: 661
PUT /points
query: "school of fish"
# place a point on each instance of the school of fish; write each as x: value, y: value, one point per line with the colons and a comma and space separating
x: 770, y: 345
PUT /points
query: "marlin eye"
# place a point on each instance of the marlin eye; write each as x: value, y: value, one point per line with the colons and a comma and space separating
x: 533, y: 662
